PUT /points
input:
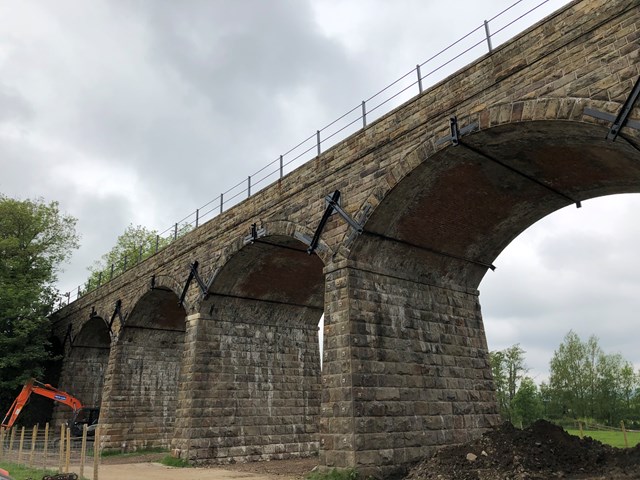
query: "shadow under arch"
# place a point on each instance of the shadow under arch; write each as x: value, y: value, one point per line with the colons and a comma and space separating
x: 143, y: 377
x: 259, y: 358
x: 425, y: 248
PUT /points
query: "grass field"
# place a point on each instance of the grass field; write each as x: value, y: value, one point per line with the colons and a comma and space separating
x: 19, y: 472
x: 615, y: 439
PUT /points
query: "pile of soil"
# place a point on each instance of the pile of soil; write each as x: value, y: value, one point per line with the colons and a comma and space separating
x: 542, y: 451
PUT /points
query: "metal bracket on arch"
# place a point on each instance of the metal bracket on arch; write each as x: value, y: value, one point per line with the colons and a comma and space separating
x: 69, y: 336
x: 254, y: 234
x: 193, y: 274
x: 117, y: 312
x: 622, y: 119
x: 333, y: 206
x: 456, y: 132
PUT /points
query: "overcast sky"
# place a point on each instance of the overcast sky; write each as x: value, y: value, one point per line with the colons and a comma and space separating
x: 139, y: 112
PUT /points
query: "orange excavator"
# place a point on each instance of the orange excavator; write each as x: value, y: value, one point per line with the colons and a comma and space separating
x: 81, y: 415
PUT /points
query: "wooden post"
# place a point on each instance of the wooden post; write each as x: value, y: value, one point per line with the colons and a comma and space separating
x: 68, y: 459
x: 581, y: 432
x: 96, y: 452
x: 11, y: 439
x: 83, y: 450
x: 624, y: 432
x: 34, y: 436
x: 45, y: 447
x: 1, y: 442
x: 61, y: 451
x: 21, y: 444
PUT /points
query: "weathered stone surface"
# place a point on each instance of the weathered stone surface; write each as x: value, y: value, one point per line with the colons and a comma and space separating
x: 237, y: 376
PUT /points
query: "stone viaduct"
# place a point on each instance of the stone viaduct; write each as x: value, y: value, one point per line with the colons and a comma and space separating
x: 233, y: 373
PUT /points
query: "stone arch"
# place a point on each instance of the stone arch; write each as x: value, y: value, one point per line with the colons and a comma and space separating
x: 142, y: 384
x: 273, y: 228
x: 161, y: 282
x: 257, y: 353
x: 558, y: 124
x: 525, y: 110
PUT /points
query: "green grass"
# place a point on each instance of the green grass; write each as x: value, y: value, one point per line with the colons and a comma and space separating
x: 20, y: 472
x: 170, y: 461
x: 335, y: 474
x: 615, y: 439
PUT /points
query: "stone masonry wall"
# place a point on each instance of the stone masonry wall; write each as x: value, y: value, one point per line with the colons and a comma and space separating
x: 252, y: 380
x: 409, y: 373
x: 143, y: 395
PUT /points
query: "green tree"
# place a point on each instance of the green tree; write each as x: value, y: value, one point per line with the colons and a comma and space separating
x: 35, y: 239
x: 628, y: 387
x: 508, y: 369
x: 134, y: 245
x: 568, y: 384
x: 617, y: 384
x: 527, y: 403
x: 585, y: 382
x: 497, y: 361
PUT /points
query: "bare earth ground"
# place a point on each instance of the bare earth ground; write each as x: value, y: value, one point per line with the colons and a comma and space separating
x: 540, y: 452
x: 147, y: 468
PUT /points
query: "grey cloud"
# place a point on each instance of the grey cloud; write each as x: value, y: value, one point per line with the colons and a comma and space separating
x: 13, y: 106
x: 204, y: 93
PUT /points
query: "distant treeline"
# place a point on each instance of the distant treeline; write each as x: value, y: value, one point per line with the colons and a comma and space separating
x: 584, y: 383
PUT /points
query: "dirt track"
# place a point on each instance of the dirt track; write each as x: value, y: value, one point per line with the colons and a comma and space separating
x: 275, y: 470
x: 157, y: 471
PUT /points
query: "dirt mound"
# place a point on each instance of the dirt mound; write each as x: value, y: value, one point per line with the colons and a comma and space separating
x: 542, y: 451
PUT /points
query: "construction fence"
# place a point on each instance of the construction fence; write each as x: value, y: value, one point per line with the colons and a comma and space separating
x: 51, y: 449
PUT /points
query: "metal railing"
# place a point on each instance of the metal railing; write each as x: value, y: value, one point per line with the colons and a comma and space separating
x: 409, y: 85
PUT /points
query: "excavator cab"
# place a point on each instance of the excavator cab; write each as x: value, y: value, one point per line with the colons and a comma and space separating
x: 85, y: 416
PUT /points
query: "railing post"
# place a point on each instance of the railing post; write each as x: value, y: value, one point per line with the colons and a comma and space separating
x: 111, y: 274
x: 197, y: 216
x: 248, y: 186
x: 175, y: 231
x: 364, y: 115
x: 419, y: 77
x: 78, y: 296
x: 318, y: 140
x: 486, y: 31
x: 221, y: 201
x: 281, y: 166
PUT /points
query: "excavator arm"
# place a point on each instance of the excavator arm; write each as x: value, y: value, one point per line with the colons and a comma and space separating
x: 44, y: 389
